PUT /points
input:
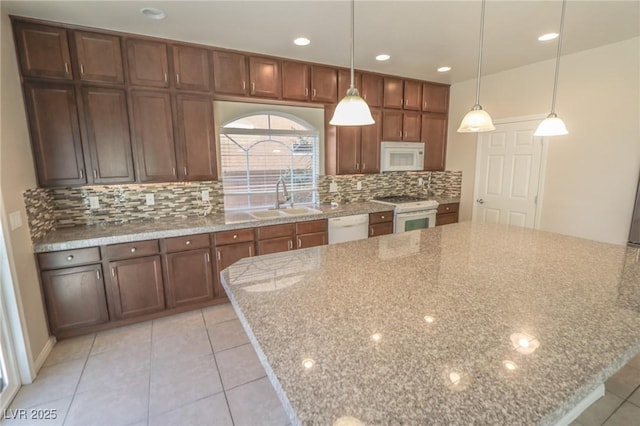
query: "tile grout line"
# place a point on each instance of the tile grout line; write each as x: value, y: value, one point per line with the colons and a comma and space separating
x: 226, y: 400
x: 621, y: 404
x: 75, y: 391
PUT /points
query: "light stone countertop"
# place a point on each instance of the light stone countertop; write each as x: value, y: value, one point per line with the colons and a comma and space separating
x: 356, y: 313
x: 95, y: 235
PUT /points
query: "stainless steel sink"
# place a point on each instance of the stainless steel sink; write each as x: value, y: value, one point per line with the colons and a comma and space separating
x: 276, y: 213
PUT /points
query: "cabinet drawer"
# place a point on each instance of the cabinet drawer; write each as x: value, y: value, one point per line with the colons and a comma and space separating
x: 312, y: 240
x: 230, y: 237
x: 380, y: 217
x: 128, y: 250
x: 63, y: 259
x: 378, y: 229
x: 188, y: 242
x: 277, y: 231
x: 448, y: 208
x: 311, y: 227
x: 275, y: 245
x: 446, y: 218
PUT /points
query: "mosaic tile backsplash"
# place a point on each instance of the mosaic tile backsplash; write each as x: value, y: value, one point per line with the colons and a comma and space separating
x: 50, y: 209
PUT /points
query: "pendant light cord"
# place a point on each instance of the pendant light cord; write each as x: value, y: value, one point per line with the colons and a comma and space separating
x: 353, y: 2
x: 480, y: 52
x: 555, y: 79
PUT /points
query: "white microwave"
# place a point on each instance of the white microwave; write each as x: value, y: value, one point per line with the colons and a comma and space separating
x: 401, y: 156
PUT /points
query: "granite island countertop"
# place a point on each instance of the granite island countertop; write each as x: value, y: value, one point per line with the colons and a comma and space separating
x: 460, y: 324
x: 95, y: 235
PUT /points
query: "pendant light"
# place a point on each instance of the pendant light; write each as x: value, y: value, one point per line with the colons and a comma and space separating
x: 477, y: 120
x: 352, y: 110
x: 552, y: 125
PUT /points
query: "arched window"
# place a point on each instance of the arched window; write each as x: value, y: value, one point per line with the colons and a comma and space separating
x: 257, y: 150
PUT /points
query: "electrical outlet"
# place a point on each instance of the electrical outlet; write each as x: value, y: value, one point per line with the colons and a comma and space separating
x: 94, y: 203
x: 150, y: 199
x: 333, y: 187
x: 420, y: 181
x: 205, y: 195
x: 359, y: 186
x: 16, y: 220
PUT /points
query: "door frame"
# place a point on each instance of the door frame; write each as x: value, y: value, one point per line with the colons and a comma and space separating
x: 543, y: 166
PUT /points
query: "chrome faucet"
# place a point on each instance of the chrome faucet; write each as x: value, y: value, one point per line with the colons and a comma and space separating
x: 287, y: 197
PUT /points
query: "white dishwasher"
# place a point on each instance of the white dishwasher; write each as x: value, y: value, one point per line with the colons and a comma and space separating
x: 348, y: 228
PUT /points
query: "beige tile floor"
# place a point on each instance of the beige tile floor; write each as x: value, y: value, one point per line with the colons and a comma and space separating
x: 199, y: 368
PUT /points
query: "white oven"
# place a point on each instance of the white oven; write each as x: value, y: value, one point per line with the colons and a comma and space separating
x: 411, y: 221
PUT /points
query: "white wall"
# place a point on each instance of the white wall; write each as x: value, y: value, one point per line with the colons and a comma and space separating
x: 592, y: 173
x: 20, y: 285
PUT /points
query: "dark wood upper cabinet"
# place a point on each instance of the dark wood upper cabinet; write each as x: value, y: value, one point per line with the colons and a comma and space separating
x: 55, y: 134
x: 196, y: 138
x: 153, y: 128
x: 137, y: 287
x: 43, y: 51
x: 189, y: 277
x: 324, y: 84
x: 435, y: 97
x: 434, y: 136
x: 411, y: 126
x: 392, y: 125
x: 372, y: 89
x: 370, y: 144
x: 412, y: 95
x: 348, y: 149
x: 191, y: 68
x: 393, y: 92
x: 295, y: 81
x: 108, y: 135
x: 99, y: 57
x: 148, y: 63
x: 229, y: 73
x: 264, y: 74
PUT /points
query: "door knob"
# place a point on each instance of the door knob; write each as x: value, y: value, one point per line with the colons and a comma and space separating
x: 480, y: 201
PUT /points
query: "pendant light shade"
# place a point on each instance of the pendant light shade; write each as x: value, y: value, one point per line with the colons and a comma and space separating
x: 552, y: 125
x: 352, y: 109
x: 477, y: 120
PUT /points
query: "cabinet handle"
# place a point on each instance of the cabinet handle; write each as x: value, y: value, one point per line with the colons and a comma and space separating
x: 81, y: 69
x: 66, y: 67
x: 314, y: 93
x: 357, y: 166
x: 424, y: 105
x: 113, y: 272
x: 306, y: 91
x: 133, y: 249
x: 250, y: 251
x: 187, y: 242
x: 165, y: 77
x: 371, y: 231
x: 173, y: 170
x: 70, y: 257
x: 235, y: 236
x: 208, y: 258
x: 290, y: 244
x: 244, y: 85
x: 219, y: 257
x: 363, y: 166
x: 299, y: 243
x: 98, y: 275
x: 185, y: 170
x: 405, y: 134
x: 95, y: 174
x: 177, y: 78
x: 253, y: 88
x: 81, y: 173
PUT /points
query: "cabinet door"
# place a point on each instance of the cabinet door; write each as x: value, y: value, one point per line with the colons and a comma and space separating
x: 275, y: 245
x: 348, y: 149
x: 154, y: 136
x: 435, y: 97
x: 75, y: 298
x: 324, y: 84
x: 55, y: 135
x: 192, y: 69
x: 371, y: 90
x: 393, y: 92
x: 380, y: 229
x: 227, y: 256
x: 108, y: 135
x: 189, y: 277
x: 43, y: 51
x: 370, y: 144
x: 411, y: 126
x: 229, y: 73
x: 412, y: 94
x: 196, y: 138
x: 295, y: 81
x: 311, y: 240
x: 264, y: 74
x: 148, y: 63
x: 137, y: 286
x: 344, y: 82
x: 99, y: 57
x: 434, y: 136
x: 392, y: 125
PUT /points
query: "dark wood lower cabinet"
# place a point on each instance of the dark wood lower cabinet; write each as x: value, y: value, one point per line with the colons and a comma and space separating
x: 380, y: 223
x: 447, y: 213
x: 189, y: 277
x: 312, y: 240
x: 275, y: 245
x: 75, y: 298
x: 136, y: 286
x: 227, y: 255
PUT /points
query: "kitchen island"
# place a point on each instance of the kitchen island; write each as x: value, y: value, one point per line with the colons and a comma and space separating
x: 463, y: 324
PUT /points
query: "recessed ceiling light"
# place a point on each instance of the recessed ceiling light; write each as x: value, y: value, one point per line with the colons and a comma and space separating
x: 383, y: 57
x: 153, y: 13
x: 548, y: 36
x: 444, y: 69
x: 301, y: 41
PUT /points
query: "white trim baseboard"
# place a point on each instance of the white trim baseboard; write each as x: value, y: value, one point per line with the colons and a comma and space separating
x: 44, y: 353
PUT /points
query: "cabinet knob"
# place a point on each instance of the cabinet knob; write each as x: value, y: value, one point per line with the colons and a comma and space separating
x: 187, y: 242
x: 70, y: 257
x: 133, y: 249
x: 382, y: 217
x: 235, y: 236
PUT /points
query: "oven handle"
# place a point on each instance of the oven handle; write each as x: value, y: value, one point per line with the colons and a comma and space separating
x: 419, y: 213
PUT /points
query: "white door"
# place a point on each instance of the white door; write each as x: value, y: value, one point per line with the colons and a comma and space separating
x: 508, y: 174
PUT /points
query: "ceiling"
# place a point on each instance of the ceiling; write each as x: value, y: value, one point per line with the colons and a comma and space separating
x: 420, y: 36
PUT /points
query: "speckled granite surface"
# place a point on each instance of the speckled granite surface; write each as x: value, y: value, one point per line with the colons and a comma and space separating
x: 88, y: 236
x: 423, y: 327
